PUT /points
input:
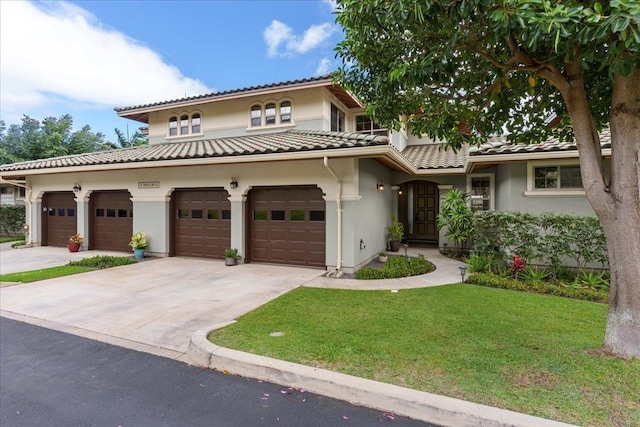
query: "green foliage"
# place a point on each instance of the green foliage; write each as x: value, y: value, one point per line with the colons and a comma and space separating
x: 396, y: 230
x: 102, y: 261
x: 534, y: 275
x: 12, y: 219
x: 558, y: 289
x: 396, y: 266
x: 592, y: 279
x: 53, y: 137
x: 43, y: 274
x: 134, y: 140
x: 553, y: 239
x: 488, y: 64
x: 457, y: 218
x: 231, y: 253
x: 478, y: 264
x: 17, y: 243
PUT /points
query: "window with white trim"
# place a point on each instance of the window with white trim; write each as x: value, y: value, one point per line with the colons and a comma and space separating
x: 185, y: 124
x: 364, y: 124
x: 274, y: 114
x: 560, y: 177
x: 481, y: 190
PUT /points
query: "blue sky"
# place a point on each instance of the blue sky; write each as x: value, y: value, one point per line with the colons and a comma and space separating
x: 86, y: 57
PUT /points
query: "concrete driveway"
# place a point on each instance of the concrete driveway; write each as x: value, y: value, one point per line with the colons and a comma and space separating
x: 158, y: 303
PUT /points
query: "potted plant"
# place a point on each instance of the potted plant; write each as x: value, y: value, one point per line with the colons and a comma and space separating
x: 231, y: 256
x: 395, y: 233
x: 139, y: 243
x: 74, y: 243
x: 382, y: 257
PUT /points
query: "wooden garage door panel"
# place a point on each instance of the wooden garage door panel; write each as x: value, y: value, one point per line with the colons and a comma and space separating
x: 112, y: 220
x: 283, y: 228
x: 61, y: 217
x: 202, y: 223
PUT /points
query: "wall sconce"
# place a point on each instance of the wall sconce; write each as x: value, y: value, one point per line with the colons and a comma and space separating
x: 76, y: 187
x: 380, y: 186
x: 396, y: 188
x: 234, y: 183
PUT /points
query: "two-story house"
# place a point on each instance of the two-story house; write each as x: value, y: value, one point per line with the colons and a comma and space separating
x: 289, y: 173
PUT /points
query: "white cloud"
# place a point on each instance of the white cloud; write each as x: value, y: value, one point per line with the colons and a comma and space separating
x: 278, y: 34
x: 324, y: 66
x: 58, y: 52
x: 333, y: 4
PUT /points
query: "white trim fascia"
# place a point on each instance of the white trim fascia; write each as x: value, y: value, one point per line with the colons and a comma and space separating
x: 448, y: 171
x: 548, y: 155
x: 343, y: 198
x: 555, y: 193
x: 374, y: 151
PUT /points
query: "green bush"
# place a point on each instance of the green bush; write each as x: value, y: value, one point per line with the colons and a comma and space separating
x: 559, y: 289
x: 396, y: 266
x: 478, y: 264
x: 102, y: 261
x: 556, y: 240
x: 12, y: 219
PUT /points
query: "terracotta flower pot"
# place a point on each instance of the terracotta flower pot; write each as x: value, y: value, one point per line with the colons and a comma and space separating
x: 73, y: 247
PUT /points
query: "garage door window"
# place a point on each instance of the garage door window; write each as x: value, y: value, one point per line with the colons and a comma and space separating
x: 183, y: 213
x: 316, y: 215
x: 277, y: 215
x: 196, y: 214
x: 111, y: 213
x: 226, y: 214
x: 99, y: 212
x: 260, y: 215
x: 212, y: 214
x: 61, y: 211
x: 297, y: 215
x: 122, y: 213
x: 71, y: 212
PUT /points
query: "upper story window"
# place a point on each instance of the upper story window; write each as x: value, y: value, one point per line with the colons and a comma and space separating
x: 270, y: 114
x: 195, y: 123
x: 337, y: 119
x: 364, y: 124
x: 285, y: 112
x: 185, y: 124
x: 560, y: 177
x: 273, y: 113
x: 173, y: 126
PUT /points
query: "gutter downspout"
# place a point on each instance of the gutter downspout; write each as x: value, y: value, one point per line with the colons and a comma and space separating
x: 338, y: 273
x: 28, y: 202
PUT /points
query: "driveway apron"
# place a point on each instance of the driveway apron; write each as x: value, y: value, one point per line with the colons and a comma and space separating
x: 159, y: 302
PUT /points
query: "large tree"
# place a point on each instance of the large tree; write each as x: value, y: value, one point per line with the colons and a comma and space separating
x: 512, y: 64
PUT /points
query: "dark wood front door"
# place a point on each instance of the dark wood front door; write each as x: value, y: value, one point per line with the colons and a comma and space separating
x: 288, y: 226
x: 59, y: 221
x: 425, y: 211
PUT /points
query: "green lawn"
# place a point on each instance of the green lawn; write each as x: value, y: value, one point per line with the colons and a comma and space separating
x: 43, y: 274
x: 530, y: 353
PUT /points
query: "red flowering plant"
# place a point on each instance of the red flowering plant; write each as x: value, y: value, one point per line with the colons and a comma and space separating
x: 518, y: 265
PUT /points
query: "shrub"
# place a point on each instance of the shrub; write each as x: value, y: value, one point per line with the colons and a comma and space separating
x: 478, y: 264
x: 102, y: 261
x: 563, y: 290
x: 456, y: 216
x: 534, y: 275
x: 12, y: 219
x: 396, y: 266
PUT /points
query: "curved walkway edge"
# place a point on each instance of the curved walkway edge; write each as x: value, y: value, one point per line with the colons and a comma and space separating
x: 415, y: 404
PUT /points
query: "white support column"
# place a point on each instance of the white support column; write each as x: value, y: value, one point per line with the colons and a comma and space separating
x: 238, y: 221
x: 82, y: 218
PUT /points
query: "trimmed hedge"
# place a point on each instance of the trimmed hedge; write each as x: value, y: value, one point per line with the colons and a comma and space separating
x: 396, y: 266
x: 102, y: 261
x: 12, y: 218
x: 559, y: 289
x: 555, y: 240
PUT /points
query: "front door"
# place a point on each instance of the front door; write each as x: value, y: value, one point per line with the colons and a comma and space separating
x: 421, y: 209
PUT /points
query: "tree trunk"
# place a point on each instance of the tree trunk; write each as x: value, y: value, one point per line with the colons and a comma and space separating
x: 622, y: 337
x: 617, y: 204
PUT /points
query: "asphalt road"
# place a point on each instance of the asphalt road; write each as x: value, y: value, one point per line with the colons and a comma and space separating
x: 49, y: 378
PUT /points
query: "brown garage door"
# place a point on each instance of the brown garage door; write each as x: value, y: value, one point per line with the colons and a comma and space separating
x: 202, y: 223
x: 288, y: 226
x: 112, y: 220
x: 58, y: 218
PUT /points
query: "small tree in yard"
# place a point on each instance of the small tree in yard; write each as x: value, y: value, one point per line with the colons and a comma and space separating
x: 457, y: 218
x: 490, y: 65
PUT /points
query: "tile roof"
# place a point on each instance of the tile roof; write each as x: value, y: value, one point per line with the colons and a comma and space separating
x: 435, y: 156
x: 502, y: 146
x: 227, y: 92
x: 282, y: 142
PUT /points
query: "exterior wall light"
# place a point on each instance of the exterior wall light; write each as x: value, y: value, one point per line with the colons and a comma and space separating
x: 380, y: 186
x: 234, y: 183
x: 77, y: 187
x: 463, y: 271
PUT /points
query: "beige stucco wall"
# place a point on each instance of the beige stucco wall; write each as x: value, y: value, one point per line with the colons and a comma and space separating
x: 228, y: 118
